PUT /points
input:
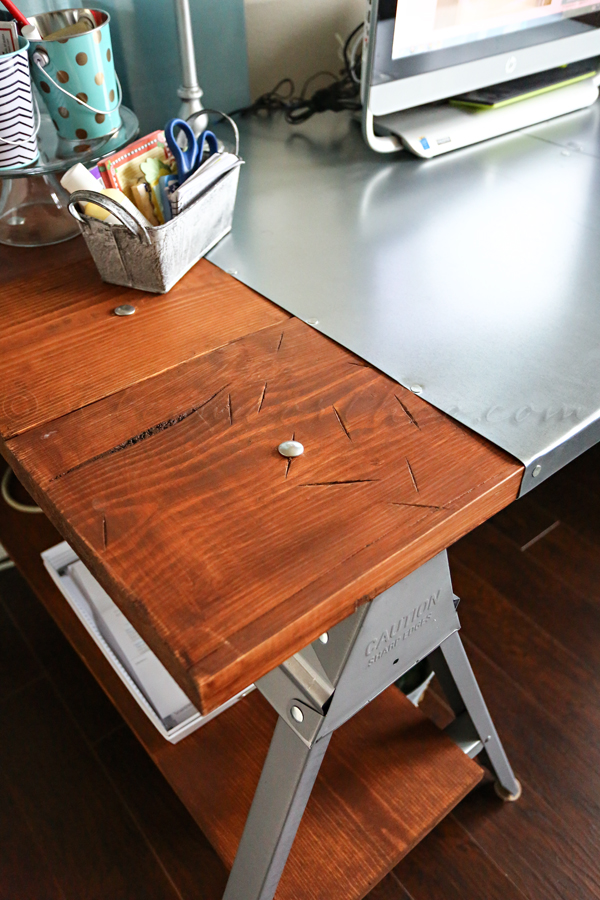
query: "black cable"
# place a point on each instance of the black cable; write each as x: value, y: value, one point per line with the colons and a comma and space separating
x: 343, y: 93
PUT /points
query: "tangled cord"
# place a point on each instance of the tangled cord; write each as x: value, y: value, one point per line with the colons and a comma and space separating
x: 342, y: 93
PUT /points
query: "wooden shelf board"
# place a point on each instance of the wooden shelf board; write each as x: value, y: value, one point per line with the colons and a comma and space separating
x: 389, y: 776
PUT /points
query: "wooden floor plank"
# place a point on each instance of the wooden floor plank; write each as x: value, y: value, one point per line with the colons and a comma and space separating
x: 449, y: 865
x: 91, y: 708
x: 573, y: 495
x: 529, y: 842
x: 389, y: 889
x: 192, y: 864
x: 563, y: 685
x: 24, y: 870
x: 564, y: 772
x: 571, y: 560
x: 90, y: 844
x: 18, y: 666
x: 562, y: 612
x: 525, y: 521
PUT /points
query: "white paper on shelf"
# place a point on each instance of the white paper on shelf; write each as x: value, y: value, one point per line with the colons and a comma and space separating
x: 139, y: 669
x: 159, y: 687
x: 214, y: 168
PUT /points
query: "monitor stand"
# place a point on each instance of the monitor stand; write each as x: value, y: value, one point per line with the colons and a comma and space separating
x: 438, y: 127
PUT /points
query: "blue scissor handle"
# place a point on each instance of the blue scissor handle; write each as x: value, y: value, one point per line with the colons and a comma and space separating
x: 187, y: 160
x: 207, y: 137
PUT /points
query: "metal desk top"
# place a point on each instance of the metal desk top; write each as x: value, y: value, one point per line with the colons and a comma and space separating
x: 474, y: 276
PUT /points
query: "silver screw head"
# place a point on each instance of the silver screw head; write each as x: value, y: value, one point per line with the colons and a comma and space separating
x: 324, y: 638
x: 416, y: 388
x: 536, y: 471
x: 290, y: 449
x: 125, y: 310
x: 297, y: 714
x: 312, y: 321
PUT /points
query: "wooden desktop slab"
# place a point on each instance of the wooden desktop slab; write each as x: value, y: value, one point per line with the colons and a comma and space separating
x: 159, y: 463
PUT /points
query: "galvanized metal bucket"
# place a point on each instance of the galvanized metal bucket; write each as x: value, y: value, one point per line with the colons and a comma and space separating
x: 155, y: 258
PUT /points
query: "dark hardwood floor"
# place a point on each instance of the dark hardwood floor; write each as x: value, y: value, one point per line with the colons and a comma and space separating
x: 84, y: 815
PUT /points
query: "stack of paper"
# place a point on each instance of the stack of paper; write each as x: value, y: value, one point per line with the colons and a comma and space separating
x: 214, y: 168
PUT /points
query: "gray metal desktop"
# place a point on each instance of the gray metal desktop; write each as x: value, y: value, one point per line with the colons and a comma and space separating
x: 473, y: 279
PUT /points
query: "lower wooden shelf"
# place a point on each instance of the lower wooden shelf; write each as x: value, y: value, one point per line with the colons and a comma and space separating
x: 388, y: 777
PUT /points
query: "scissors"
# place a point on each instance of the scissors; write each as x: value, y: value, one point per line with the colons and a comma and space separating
x: 190, y: 158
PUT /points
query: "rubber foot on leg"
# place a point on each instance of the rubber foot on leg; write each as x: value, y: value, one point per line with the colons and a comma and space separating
x: 505, y: 795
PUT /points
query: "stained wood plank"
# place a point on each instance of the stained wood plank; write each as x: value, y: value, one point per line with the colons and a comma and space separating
x: 18, y: 666
x: 185, y: 854
x: 24, y: 870
x: 449, y: 865
x: 62, y: 348
x: 15, y: 262
x: 89, y: 844
x: 529, y: 842
x: 563, y: 684
x: 177, y: 480
x: 565, y: 614
x: 388, y: 777
x: 542, y: 752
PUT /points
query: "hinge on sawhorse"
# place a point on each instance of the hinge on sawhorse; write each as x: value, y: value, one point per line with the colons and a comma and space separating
x: 328, y: 682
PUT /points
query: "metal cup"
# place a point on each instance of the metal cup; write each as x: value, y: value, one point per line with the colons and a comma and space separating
x: 75, y: 73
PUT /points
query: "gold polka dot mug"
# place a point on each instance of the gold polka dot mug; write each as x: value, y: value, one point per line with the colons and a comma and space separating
x: 74, y: 70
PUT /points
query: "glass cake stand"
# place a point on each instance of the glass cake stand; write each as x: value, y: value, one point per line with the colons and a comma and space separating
x: 33, y: 205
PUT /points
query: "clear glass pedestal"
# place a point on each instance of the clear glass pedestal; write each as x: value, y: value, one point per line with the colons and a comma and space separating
x: 33, y: 206
x: 33, y: 212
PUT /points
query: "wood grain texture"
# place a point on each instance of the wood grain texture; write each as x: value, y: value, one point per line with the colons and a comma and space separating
x: 74, y: 812
x: 176, y: 481
x: 61, y: 347
x: 34, y: 880
x: 552, y: 605
x: 457, y: 869
x: 388, y: 777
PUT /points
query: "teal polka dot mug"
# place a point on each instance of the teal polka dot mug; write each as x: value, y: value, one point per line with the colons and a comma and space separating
x: 74, y: 70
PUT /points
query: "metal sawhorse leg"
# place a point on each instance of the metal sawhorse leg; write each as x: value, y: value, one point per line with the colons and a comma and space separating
x: 324, y: 685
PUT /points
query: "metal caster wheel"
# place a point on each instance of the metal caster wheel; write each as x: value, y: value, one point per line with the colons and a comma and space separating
x: 504, y: 794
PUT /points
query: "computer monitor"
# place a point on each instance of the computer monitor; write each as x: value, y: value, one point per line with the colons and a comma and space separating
x: 422, y: 51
